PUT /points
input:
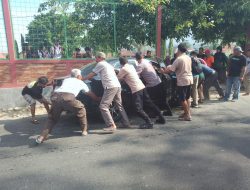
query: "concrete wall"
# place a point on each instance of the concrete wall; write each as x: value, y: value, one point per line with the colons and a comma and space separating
x: 12, y: 98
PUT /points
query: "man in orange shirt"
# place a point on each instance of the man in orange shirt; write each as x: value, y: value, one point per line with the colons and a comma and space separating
x: 209, y: 59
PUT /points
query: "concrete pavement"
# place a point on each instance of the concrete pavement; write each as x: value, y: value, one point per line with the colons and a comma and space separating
x: 210, y: 153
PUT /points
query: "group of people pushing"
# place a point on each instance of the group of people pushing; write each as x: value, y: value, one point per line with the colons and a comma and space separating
x: 64, y: 98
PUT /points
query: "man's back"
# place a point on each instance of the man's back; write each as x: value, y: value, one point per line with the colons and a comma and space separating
x: 107, y: 74
x: 73, y: 86
x: 182, y: 66
x: 130, y: 76
x: 148, y: 73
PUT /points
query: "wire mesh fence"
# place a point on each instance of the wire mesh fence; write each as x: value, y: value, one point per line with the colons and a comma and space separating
x: 61, y: 29
x: 3, y: 39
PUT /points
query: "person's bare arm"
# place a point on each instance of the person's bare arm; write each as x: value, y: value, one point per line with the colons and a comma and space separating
x: 243, y: 70
x: 89, y: 76
x: 93, y: 96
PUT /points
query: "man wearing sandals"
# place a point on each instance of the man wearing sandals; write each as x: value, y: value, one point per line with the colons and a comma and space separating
x: 64, y: 99
x: 182, y: 66
x: 112, y: 92
x: 32, y: 93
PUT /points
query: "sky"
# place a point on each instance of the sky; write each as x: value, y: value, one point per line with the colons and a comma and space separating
x: 22, y: 12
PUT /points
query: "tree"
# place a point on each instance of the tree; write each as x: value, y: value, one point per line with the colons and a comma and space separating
x: 16, y: 50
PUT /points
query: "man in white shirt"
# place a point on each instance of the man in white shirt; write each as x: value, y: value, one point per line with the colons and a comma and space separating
x: 112, y: 92
x: 139, y: 94
x: 247, y: 74
x: 182, y: 66
x: 64, y: 98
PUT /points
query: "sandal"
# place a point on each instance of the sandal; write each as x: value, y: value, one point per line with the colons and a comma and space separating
x: 185, y: 119
x: 84, y: 133
x: 39, y: 140
x: 34, y: 121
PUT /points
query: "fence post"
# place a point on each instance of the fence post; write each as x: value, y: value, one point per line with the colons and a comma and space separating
x: 65, y: 35
x: 158, y: 31
x: 10, y: 41
x: 114, y: 25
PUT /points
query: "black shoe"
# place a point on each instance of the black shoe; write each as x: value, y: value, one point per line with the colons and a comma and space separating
x: 194, y: 106
x: 167, y: 113
x: 161, y: 120
x: 146, y: 126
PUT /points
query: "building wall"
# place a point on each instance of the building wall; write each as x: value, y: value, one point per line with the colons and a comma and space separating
x: 26, y: 72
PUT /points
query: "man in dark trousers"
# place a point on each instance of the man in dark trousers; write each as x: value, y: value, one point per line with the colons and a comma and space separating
x: 64, y: 99
x: 153, y: 83
x: 220, y: 64
x: 211, y: 79
x: 139, y: 94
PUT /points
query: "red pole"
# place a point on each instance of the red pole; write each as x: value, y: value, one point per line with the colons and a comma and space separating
x: 10, y: 41
x: 158, y: 29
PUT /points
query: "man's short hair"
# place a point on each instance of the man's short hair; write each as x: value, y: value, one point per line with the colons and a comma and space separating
x: 193, y: 53
x: 87, y: 49
x: 43, y: 80
x: 75, y: 73
x: 123, y: 60
x: 148, y: 51
x: 182, y: 47
x: 101, y: 55
x: 138, y: 55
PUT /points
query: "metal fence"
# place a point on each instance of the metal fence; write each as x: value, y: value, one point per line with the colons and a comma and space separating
x: 61, y: 29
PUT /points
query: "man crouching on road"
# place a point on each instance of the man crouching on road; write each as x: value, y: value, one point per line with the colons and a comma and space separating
x: 64, y: 99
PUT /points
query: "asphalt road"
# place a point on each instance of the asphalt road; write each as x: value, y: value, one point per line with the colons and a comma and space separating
x: 210, y: 153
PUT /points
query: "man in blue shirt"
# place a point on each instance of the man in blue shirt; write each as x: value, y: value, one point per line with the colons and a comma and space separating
x: 211, y: 79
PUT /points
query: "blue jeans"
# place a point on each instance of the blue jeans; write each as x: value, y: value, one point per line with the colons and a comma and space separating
x: 233, y: 84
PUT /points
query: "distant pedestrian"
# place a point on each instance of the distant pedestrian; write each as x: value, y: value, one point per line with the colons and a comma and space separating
x: 235, y: 73
x: 56, y: 50
x: 112, y: 92
x: 140, y: 95
x: 64, y: 99
x: 211, y: 79
x: 77, y: 54
x: 88, y: 53
x: 247, y: 74
x: 182, y: 66
x: 148, y: 55
x: 32, y: 93
x: 220, y: 64
x: 201, y: 53
x: 209, y: 58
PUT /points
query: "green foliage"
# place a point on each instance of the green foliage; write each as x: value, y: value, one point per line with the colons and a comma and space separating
x: 16, y: 50
x: 131, y: 23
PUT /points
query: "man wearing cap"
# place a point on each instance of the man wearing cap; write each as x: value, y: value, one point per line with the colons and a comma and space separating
x: 235, y: 73
x: 64, y: 99
x: 112, y: 91
x: 247, y: 74
x: 182, y: 66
